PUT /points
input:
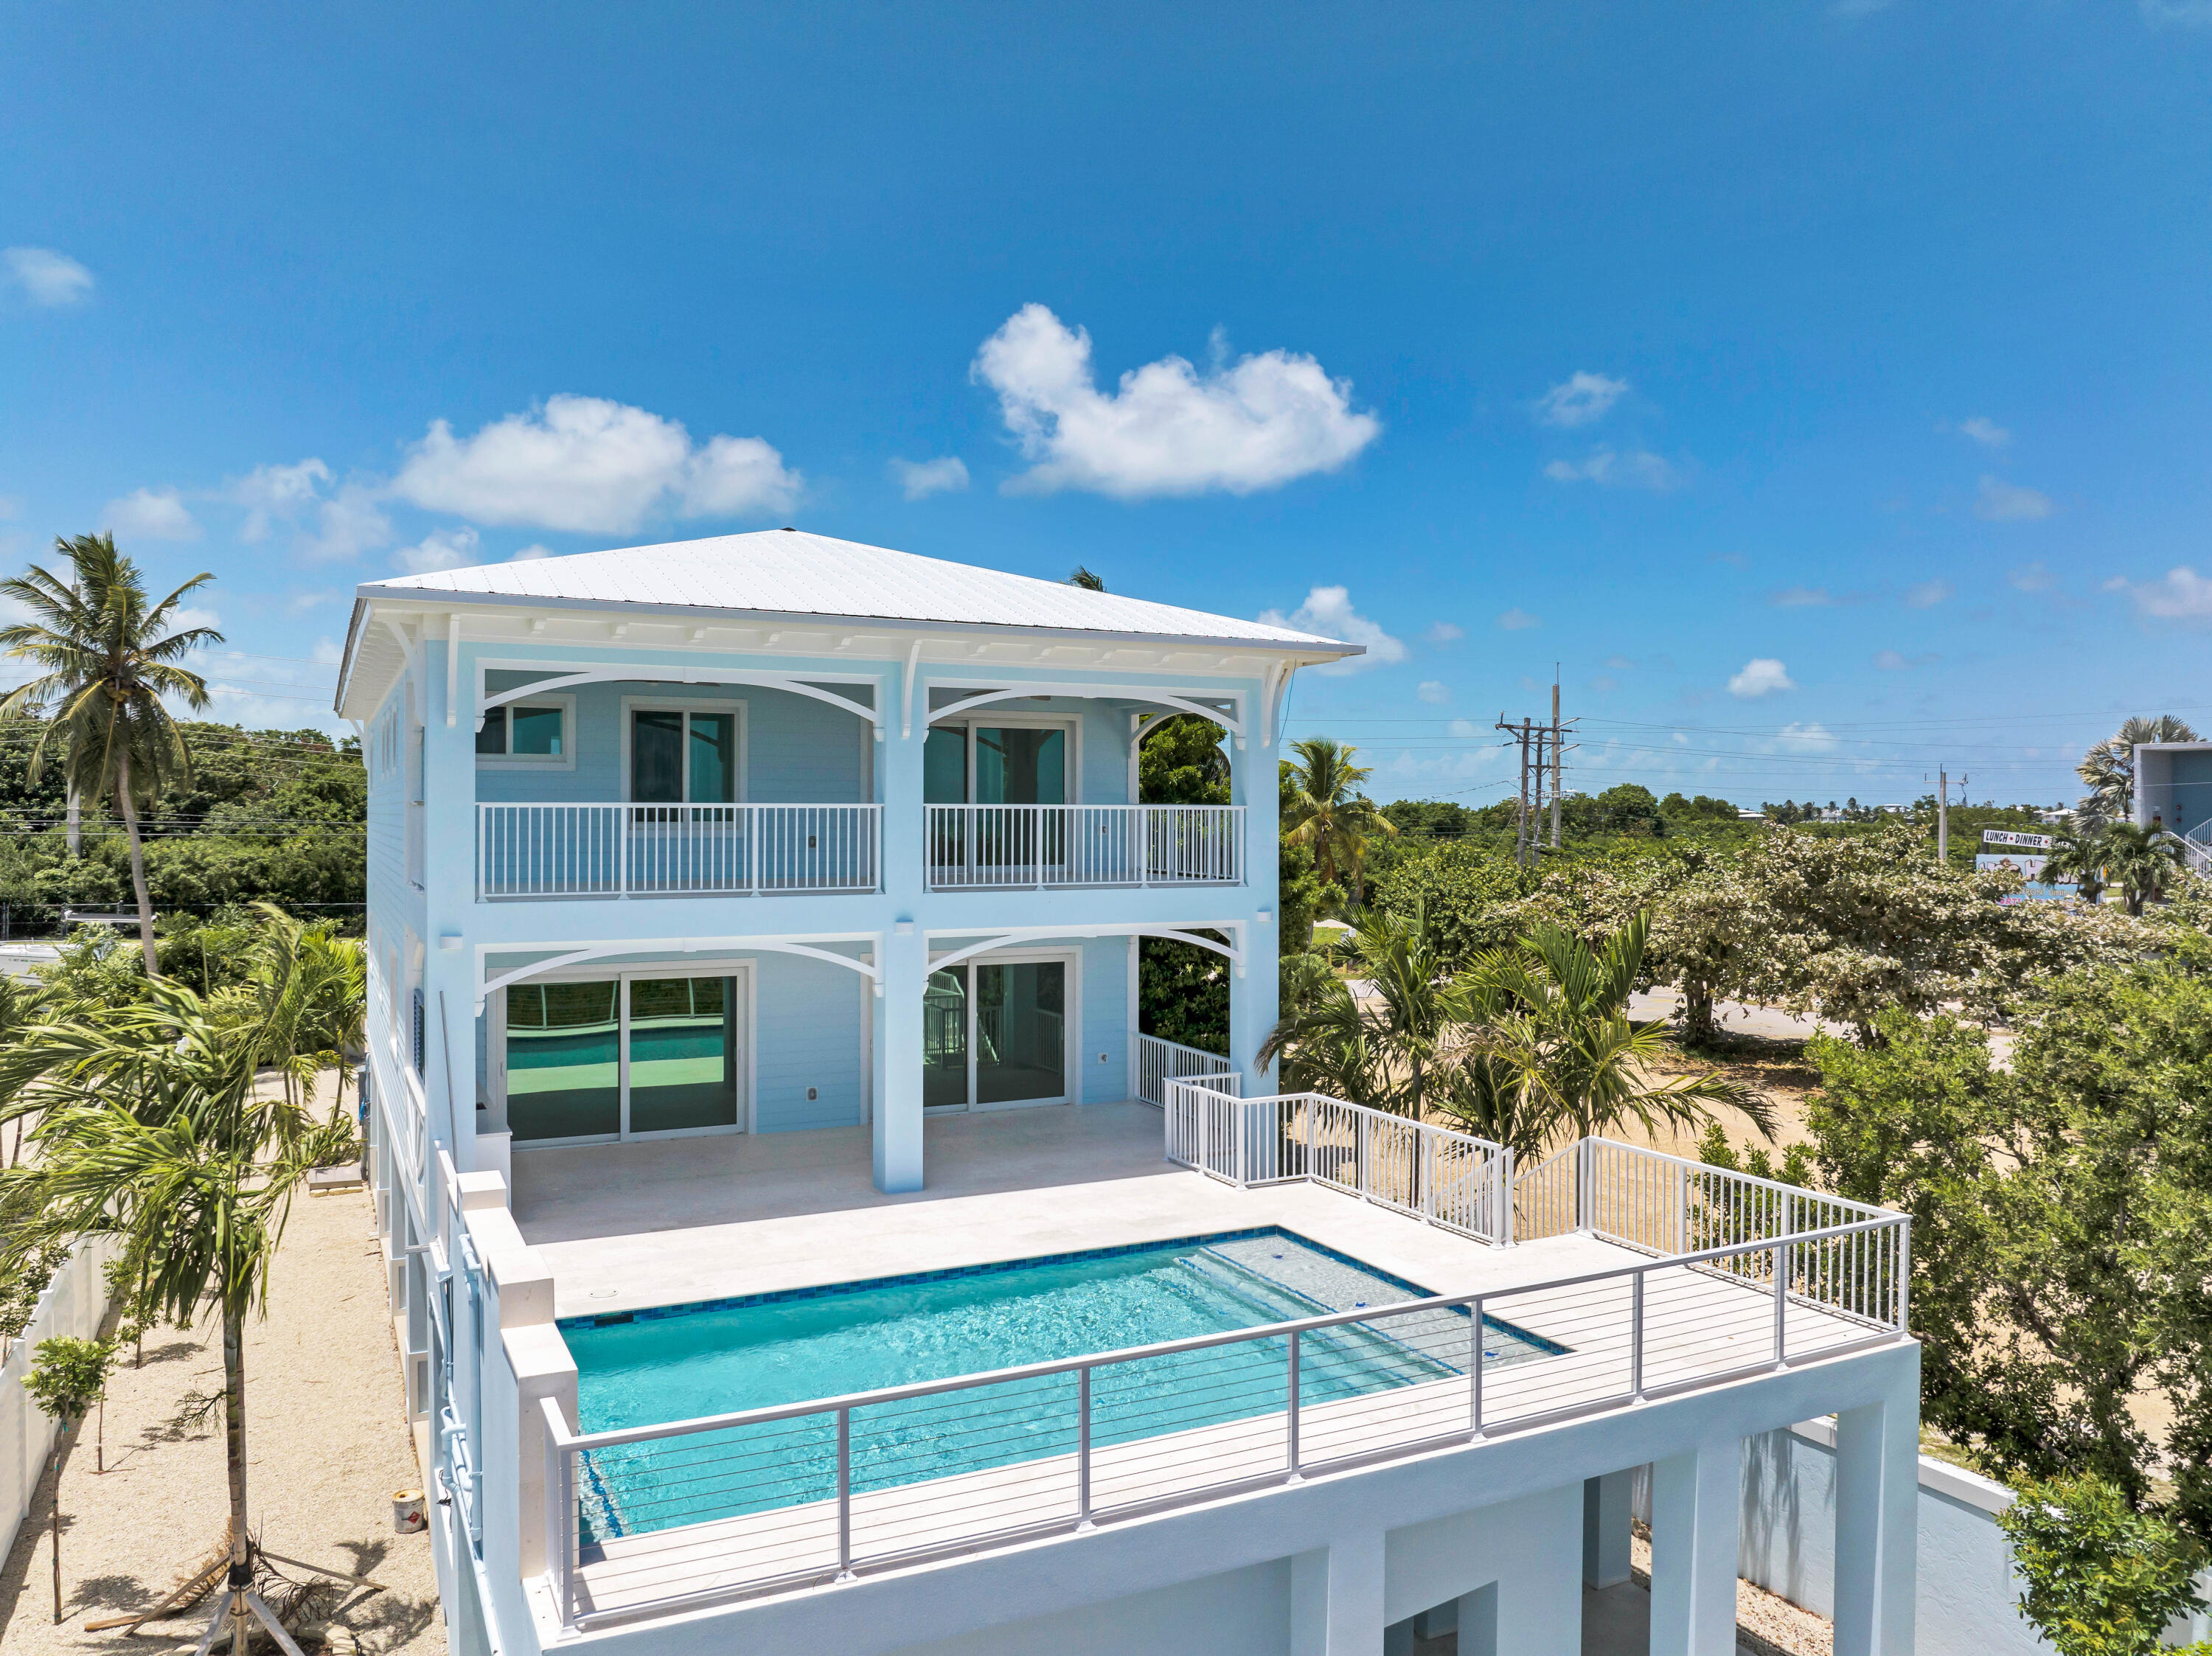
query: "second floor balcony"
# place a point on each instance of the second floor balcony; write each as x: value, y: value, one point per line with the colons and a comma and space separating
x: 552, y: 850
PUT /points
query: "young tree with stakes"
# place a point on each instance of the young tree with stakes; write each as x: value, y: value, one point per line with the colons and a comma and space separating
x: 67, y: 1377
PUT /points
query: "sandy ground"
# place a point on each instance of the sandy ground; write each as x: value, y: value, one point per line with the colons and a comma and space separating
x: 329, y: 1442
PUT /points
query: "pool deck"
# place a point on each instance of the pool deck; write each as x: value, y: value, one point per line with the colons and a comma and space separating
x: 673, y: 1220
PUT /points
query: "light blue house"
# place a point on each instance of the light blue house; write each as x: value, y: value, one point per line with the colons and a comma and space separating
x: 795, y: 1246
x: 775, y: 832
x: 2173, y: 790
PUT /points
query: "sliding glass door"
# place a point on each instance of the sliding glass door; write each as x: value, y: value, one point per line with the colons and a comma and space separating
x: 987, y: 766
x: 995, y: 1032
x: 629, y: 1057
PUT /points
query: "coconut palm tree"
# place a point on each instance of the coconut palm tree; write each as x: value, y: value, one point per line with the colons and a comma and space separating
x: 2143, y: 862
x: 1550, y: 1017
x: 150, y: 1129
x: 2109, y: 767
x: 1383, y: 1051
x: 2077, y: 857
x: 1327, y: 813
x: 110, y: 661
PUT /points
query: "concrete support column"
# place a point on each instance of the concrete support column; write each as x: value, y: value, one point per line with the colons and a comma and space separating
x: 1877, y: 1494
x: 1336, y: 1598
x: 1606, y: 1529
x: 1256, y: 991
x: 1695, y: 1500
x: 903, y: 958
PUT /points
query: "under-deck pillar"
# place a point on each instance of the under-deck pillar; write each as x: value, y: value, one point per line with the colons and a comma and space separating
x: 1695, y: 1504
x: 1336, y: 1598
x: 1877, y: 1493
x: 1606, y: 1523
x: 904, y: 964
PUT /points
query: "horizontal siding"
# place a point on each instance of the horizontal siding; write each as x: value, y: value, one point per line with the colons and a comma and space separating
x: 807, y: 1030
x: 1105, y: 1020
x: 798, y: 750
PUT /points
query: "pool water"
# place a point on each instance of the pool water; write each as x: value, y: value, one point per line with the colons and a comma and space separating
x: 792, y: 1348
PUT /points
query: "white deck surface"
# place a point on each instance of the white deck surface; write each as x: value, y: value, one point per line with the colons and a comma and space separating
x: 684, y: 1220
x: 673, y: 1220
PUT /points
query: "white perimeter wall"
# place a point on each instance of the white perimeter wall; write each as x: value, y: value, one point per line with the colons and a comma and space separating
x: 70, y: 1308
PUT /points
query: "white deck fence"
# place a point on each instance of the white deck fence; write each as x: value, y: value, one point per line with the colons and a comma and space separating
x: 1023, y: 847
x: 1153, y: 1063
x: 663, y: 850
x: 1449, y: 1178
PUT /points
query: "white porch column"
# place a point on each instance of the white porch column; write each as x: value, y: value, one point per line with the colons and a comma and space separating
x: 903, y: 960
x: 1877, y: 1494
x: 1695, y: 1500
x: 1254, y: 996
x: 1336, y: 1598
x: 1605, y: 1520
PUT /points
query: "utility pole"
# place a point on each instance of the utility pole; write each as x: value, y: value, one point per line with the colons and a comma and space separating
x: 1943, y: 811
x: 1555, y: 755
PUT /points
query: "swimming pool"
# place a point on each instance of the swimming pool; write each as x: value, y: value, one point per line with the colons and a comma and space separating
x: 684, y: 1362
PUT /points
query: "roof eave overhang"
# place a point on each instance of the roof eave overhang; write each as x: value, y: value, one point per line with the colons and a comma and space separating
x: 435, y: 603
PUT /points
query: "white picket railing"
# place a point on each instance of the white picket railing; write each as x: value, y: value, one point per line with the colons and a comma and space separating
x: 663, y: 851
x: 1450, y: 1179
x: 1022, y: 846
x: 2196, y: 848
x: 1153, y: 1063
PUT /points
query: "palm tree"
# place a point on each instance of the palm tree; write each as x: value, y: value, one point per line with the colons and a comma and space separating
x: 2109, y: 767
x: 1328, y: 814
x: 2143, y: 862
x: 109, y: 661
x: 1382, y: 1051
x: 150, y: 1129
x: 2077, y: 857
x: 1551, y: 1019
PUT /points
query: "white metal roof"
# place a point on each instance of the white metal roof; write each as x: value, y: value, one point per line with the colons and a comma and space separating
x: 794, y: 572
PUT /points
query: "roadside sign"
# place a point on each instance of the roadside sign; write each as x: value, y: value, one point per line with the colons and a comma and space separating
x: 2007, y: 837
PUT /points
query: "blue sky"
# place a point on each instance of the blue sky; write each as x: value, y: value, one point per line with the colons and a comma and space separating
x: 1824, y: 387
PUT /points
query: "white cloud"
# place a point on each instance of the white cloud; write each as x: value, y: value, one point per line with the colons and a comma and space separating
x: 1462, y: 730
x: 441, y: 549
x: 1761, y: 675
x: 2178, y: 13
x: 277, y: 491
x: 1889, y: 661
x: 2180, y: 594
x: 531, y: 552
x: 1638, y: 469
x: 1168, y: 429
x: 2001, y: 502
x: 149, y: 514
x: 46, y: 277
x: 1621, y: 664
x: 586, y: 463
x: 1327, y: 611
x: 1988, y: 433
x: 300, y: 603
x: 1519, y: 620
x: 1582, y: 398
x: 1927, y: 594
x: 347, y: 523
x: 1604, y: 684
x: 2031, y: 578
x: 1434, y: 692
x: 1444, y: 632
x: 1803, y: 597
x: 922, y: 478
x: 1807, y: 738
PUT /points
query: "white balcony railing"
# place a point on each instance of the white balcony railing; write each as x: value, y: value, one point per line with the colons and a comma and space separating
x: 669, y: 851
x: 1450, y: 1179
x: 654, y: 1520
x: 1153, y: 1063
x: 1021, y: 847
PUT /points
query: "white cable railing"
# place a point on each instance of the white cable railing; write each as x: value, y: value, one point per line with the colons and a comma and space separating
x: 1153, y: 1063
x: 1434, y: 1174
x: 656, y: 1520
x: 661, y: 851
x: 1023, y: 847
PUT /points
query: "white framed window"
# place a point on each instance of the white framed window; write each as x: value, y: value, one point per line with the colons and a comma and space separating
x: 537, y: 732
x: 682, y: 752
